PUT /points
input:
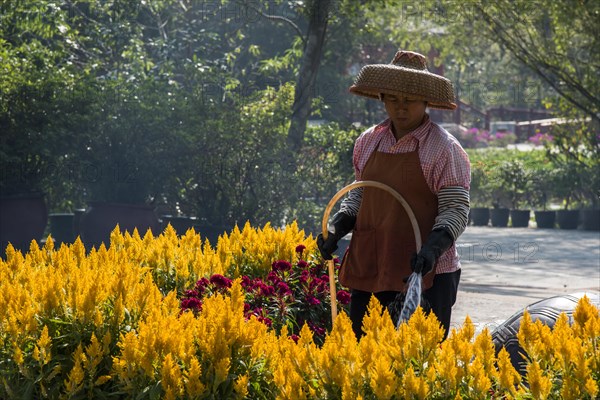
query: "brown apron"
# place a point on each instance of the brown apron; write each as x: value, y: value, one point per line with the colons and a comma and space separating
x: 378, y: 258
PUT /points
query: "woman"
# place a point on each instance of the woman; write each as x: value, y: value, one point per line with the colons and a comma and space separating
x: 429, y: 168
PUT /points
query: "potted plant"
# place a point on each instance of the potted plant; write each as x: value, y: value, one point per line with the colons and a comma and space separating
x: 500, y: 212
x: 515, y: 178
x: 567, y: 188
x: 480, y: 195
x: 541, y: 192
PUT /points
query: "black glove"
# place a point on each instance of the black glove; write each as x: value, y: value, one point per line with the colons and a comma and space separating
x: 342, y: 225
x: 438, y: 241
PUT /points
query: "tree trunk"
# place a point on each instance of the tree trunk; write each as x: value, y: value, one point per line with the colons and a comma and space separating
x: 305, y: 84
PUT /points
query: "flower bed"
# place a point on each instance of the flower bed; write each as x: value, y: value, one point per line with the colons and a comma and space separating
x: 110, y: 324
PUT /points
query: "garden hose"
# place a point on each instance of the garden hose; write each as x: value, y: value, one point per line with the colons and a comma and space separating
x: 325, y: 232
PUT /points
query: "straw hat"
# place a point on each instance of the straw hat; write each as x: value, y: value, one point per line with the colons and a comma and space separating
x: 406, y: 75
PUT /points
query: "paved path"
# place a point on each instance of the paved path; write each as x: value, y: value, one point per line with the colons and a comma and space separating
x: 506, y: 269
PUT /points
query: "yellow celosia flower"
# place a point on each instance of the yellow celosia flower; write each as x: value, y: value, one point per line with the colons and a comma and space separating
x: 535, y: 338
x: 94, y: 355
x: 74, y: 381
x: 240, y: 386
x: 447, y: 375
x: 480, y: 382
x: 132, y: 285
x: 383, y: 380
x: 42, y: 350
x: 221, y: 371
x: 585, y: 312
x: 17, y: 354
x: 171, y: 377
x: 414, y: 386
x: 591, y: 387
x: 539, y: 384
x: 193, y: 379
x: 102, y: 380
x: 485, y: 352
x: 338, y: 361
x: 508, y: 377
x: 289, y: 383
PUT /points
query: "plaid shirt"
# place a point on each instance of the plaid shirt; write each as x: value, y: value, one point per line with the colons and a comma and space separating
x: 443, y: 160
x: 445, y: 166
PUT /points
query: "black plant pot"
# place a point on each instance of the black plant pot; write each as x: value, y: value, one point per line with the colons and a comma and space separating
x: 545, y: 219
x: 567, y: 219
x: 590, y: 220
x: 499, y: 217
x: 23, y: 218
x: 519, y: 218
x: 100, y: 219
x: 480, y: 216
x: 61, y: 228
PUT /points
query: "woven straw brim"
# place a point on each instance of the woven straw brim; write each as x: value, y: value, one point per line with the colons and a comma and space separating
x: 390, y: 79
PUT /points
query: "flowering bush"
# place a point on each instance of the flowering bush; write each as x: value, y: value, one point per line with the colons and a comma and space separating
x: 105, y: 324
x: 540, y: 139
x: 289, y: 296
x: 474, y: 138
x: 502, y: 139
x: 478, y: 138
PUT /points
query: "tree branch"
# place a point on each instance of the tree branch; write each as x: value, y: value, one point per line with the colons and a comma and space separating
x: 519, y: 47
x: 279, y: 18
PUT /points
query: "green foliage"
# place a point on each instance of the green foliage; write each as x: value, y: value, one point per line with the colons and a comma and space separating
x: 325, y: 167
x: 531, y: 179
x: 186, y: 105
x: 559, y: 44
x: 511, y: 178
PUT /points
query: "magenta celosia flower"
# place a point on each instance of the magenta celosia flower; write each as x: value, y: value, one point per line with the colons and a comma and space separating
x: 267, y: 290
x: 220, y: 281
x: 201, y: 285
x: 343, y: 296
x: 282, y: 265
x: 256, y: 285
x: 300, y: 248
x: 318, y: 330
x: 320, y: 284
x: 191, y: 304
x: 246, y: 282
x: 312, y: 300
x: 295, y: 338
x: 296, y: 292
x: 265, y: 320
x: 303, y: 278
x: 273, y: 277
x: 191, y: 293
x: 283, y: 289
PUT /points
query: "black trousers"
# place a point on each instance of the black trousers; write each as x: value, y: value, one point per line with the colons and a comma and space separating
x: 441, y: 297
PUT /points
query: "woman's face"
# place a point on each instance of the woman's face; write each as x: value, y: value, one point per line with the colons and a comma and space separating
x: 405, y: 112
